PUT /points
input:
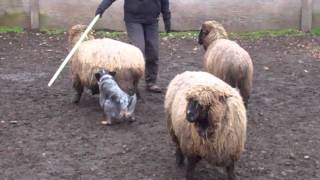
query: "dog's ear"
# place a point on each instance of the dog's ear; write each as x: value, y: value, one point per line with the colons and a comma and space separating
x: 112, y: 73
x: 98, y: 75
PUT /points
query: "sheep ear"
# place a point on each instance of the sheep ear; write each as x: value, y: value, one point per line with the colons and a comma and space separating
x: 222, y: 98
x: 98, y: 75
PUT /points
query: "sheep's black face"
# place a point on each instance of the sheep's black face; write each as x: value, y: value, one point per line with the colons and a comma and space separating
x: 202, y: 35
x: 193, y: 111
x: 196, y: 112
x: 199, y: 115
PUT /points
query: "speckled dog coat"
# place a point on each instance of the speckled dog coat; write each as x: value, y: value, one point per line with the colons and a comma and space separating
x: 114, y: 101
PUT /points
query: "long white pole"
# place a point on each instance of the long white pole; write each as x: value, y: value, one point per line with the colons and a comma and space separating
x: 64, y: 63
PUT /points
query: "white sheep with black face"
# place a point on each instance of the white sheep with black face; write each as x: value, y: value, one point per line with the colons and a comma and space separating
x: 207, y: 120
x: 116, y: 104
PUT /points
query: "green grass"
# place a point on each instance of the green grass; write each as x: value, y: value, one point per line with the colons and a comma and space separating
x: 52, y: 31
x: 271, y: 33
x: 107, y: 34
x: 315, y: 31
x: 254, y: 35
x: 4, y: 29
x: 184, y: 34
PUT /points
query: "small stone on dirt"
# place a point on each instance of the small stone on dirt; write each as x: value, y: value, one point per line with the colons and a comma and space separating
x: 306, y: 71
x: 165, y: 38
x: 307, y: 157
x: 292, y: 156
x: 266, y: 68
x: 104, y: 122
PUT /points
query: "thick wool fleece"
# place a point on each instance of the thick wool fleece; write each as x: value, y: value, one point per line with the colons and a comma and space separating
x: 94, y: 54
x: 227, y: 117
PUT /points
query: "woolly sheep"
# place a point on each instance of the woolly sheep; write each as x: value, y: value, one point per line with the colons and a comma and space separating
x: 206, y: 119
x: 94, y: 54
x: 226, y: 59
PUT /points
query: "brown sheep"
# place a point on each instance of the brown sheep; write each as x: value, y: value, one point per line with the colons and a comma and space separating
x: 226, y: 59
x: 95, y: 54
x: 206, y: 119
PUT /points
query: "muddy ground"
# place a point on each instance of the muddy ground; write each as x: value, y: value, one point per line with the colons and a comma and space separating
x: 44, y: 136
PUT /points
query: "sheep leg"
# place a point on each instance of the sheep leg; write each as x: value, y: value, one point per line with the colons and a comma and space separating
x: 246, y: 104
x: 179, y: 154
x: 140, y: 98
x: 230, y: 172
x: 192, y: 162
x: 245, y: 97
x: 79, y: 90
x: 179, y: 157
x: 95, y: 89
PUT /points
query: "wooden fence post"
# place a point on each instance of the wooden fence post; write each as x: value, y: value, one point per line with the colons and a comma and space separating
x: 34, y: 14
x: 306, y: 15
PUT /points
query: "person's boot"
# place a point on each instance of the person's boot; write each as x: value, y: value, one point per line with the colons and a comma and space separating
x: 152, y: 87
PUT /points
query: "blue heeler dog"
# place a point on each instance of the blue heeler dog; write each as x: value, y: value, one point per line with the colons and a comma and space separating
x: 116, y: 104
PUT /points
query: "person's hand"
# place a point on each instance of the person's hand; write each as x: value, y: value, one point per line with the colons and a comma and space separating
x: 167, y: 26
x: 99, y: 12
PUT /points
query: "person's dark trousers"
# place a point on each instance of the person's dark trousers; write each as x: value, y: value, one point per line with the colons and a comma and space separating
x: 146, y: 38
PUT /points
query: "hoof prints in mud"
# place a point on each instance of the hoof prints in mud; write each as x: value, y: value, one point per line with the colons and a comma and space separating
x: 23, y: 77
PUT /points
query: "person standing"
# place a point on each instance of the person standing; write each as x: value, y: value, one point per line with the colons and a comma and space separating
x: 141, y: 19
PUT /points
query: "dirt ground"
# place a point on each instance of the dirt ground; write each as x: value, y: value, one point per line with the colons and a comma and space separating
x: 44, y: 136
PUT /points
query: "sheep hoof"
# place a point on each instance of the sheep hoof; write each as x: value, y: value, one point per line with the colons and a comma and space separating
x: 179, y: 158
x: 230, y: 172
x: 192, y: 161
x: 232, y: 177
x: 131, y: 119
x: 76, y: 99
x: 180, y: 162
x: 189, y: 176
x: 141, y: 100
x: 246, y: 105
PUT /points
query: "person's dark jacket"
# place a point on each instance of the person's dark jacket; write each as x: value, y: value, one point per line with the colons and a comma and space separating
x: 141, y: 11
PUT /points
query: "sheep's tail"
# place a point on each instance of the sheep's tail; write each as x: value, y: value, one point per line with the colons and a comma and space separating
x: 245, y: 84
x: 242, y: 80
